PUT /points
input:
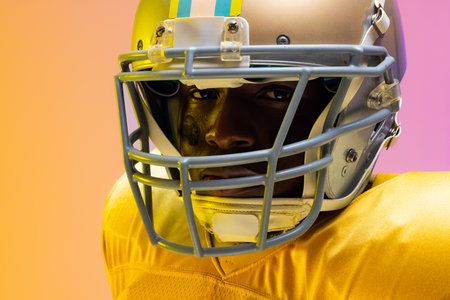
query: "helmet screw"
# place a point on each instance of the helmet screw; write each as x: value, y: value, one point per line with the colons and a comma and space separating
x: 352, y: 156
x: 233, y: 27
x: 160, y: 31
x: 375, y: 100
x: 140, y: 45
x: 393, y: 131
x: 344, y: 171
x: 283, y: 40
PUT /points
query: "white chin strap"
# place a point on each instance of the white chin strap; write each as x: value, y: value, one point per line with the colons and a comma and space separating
x: 238, y: 219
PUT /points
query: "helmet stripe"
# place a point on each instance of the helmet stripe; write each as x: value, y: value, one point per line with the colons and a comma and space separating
x: 225, y: 8
x: 202, y: 8
x: 187, y: 8
x: 173, y: 9
x: 184, y: 8
x: 222, y: 8
x: 235, y: 8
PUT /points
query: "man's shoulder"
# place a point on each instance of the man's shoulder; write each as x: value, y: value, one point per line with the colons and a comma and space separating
x: 417, y: 202
x: 394, y: 235
x: 411, y: 192
x: 120, y: 208
x: 415, y: 180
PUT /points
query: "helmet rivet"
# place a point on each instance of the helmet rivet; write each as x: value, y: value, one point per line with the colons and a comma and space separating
x: 160, y: 31
x: 351, y: 156
x: 140, y: 45
x: 283, y: 40
x: 344, y: 171
x: 233, y: 27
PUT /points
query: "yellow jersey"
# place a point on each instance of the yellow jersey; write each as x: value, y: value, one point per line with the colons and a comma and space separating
x: 392, y: 242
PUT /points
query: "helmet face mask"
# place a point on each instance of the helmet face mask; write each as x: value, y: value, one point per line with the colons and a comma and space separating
x: 263, y: 137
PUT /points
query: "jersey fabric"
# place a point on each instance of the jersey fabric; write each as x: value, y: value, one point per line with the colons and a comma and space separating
x: 392, y: 242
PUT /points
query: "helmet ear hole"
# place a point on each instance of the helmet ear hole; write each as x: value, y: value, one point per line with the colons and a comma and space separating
x: 140, y: 45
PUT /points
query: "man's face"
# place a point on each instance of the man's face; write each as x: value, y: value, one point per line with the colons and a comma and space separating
x: 234, y: 120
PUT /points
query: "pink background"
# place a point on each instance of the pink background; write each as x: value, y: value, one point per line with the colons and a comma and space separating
x: 425, y: 142
x: 60, y: 146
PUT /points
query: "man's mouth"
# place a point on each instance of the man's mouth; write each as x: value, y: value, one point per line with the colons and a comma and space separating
x: 229, y: 173
x: 286, y: 188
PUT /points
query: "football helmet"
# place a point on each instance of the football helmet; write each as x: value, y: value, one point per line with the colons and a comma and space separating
x: 353, y: 48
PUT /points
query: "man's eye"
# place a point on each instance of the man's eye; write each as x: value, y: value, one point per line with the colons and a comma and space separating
x: 278, y: 94
x: 208, y: 94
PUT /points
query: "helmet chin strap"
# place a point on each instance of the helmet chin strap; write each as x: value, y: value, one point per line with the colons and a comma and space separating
x: 238, y: 219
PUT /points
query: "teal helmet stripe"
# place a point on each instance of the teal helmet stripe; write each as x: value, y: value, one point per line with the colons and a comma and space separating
x: 222, y: 8
x: 184, y: 8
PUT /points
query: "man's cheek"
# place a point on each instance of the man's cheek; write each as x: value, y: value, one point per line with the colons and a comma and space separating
x: 190, y: 130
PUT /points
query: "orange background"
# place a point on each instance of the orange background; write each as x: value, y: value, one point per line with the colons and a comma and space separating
x: 60, y: 149
x: 60, y: 143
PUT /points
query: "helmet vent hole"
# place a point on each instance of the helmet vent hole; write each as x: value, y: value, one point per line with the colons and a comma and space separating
x: 283, y: 40
x: 140, y: 45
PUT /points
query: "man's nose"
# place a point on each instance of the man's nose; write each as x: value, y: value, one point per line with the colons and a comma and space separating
x: 232, y: 129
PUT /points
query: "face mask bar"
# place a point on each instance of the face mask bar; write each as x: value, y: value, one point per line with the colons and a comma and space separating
x: 132, y: 156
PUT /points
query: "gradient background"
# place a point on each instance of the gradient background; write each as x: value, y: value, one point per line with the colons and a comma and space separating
x: 60, y: 146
